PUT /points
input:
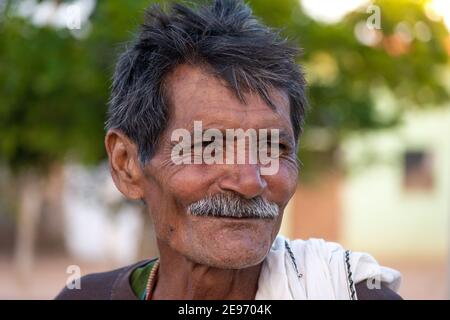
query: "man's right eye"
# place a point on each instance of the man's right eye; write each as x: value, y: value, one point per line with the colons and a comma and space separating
x: 201, y: 144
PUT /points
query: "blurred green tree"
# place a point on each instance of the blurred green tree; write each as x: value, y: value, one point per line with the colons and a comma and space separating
x: 54, y: 87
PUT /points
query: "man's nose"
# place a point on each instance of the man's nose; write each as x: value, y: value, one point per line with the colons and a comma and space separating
x: 244, y: 179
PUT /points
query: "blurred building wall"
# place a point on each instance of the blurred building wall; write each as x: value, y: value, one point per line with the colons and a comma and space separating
x: 396, y: 196
x: 315, y: 210
x: 392, y: 201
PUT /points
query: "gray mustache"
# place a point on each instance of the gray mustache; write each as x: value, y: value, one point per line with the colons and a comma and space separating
x: 231, y: 205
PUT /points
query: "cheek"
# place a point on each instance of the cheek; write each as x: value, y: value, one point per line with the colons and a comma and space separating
x: 172, y: 193
x: 282, y: 185
x: 191, y: 183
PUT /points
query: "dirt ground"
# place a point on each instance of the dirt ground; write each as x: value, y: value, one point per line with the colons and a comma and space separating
x: 421, y: 280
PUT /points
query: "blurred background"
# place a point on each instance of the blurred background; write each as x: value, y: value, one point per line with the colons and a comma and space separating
x: 375, y: 151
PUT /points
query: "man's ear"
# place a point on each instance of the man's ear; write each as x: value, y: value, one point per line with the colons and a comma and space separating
x: 125, y: 168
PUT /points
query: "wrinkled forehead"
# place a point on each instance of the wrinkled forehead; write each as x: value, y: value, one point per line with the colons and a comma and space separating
x: 195, y: 94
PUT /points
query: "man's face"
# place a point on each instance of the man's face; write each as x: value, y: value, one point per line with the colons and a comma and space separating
x: 170, y: 188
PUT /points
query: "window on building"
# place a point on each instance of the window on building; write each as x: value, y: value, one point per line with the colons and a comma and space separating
x: 418, y: 170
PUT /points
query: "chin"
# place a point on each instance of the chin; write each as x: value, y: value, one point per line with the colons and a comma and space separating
x: 234, y: 253
x: 240, y: 262
x: 227, y: 243
x: 230, y: 261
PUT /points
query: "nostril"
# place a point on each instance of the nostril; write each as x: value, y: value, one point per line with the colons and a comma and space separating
x: 245, y: 180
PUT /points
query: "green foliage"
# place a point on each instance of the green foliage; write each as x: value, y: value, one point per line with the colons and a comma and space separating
x: 343, y: 73
x: 54, y: 87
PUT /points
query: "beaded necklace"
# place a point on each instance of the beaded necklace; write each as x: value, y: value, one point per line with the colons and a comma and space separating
x: 151, y: 281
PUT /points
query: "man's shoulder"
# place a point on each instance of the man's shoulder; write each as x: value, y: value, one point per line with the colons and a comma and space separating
x: 356, y: 265
x: 107, y: 285
x: 383, y: 293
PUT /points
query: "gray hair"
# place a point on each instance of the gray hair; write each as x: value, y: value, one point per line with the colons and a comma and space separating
x: 231, y: 205
x: 225, y: 37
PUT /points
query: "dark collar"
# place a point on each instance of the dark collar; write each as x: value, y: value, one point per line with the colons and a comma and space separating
x: 121, y: 289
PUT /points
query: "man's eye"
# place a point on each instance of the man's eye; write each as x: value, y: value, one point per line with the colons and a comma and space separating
x: 201, y: 144
x: 281, y: 146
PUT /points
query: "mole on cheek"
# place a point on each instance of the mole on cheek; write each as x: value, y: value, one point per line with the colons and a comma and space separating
x: 170, y: 230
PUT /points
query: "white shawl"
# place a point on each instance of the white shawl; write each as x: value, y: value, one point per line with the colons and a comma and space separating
x: 325, y: 271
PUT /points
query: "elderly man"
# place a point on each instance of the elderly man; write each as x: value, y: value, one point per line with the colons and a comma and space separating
x: 198, y: 91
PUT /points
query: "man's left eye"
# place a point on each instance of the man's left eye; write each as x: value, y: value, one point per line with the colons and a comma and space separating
x: 201, y: 144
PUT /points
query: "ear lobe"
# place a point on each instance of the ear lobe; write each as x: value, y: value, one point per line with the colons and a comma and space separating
x: 124, y: 166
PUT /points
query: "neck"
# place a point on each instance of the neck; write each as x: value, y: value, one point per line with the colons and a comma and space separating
x: 182, y: 279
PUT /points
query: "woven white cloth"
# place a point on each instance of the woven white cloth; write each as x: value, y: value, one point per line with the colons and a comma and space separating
x: 323, y: 271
